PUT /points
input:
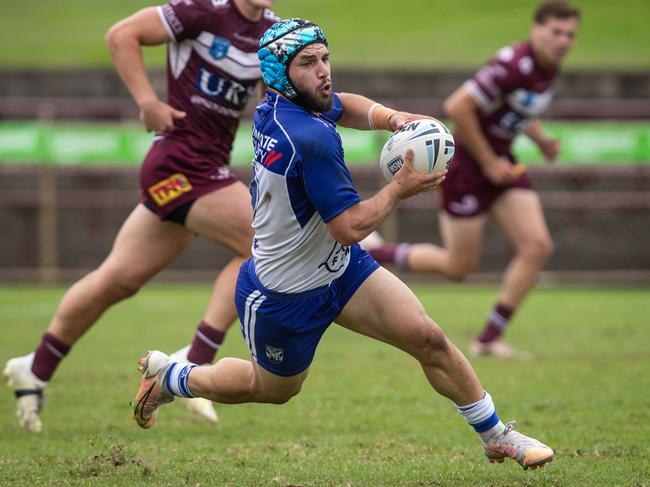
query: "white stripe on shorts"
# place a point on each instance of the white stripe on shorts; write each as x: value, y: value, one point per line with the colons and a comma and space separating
x: 251, y: 324
x: 249, y: 300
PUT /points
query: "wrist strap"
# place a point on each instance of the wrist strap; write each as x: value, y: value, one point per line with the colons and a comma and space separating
x: 378, y: 116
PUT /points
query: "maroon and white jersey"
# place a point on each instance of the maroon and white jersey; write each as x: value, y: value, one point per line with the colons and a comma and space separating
x: 510, y: 90
x: 212, y: 70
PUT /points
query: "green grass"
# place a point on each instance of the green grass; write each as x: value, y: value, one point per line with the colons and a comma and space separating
x: 366, y: 415
x: 381, y: 33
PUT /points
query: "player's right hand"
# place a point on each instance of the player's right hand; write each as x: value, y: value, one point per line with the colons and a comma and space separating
x: 500, y: 171
x: 411, y: 182
x: 158, y: 116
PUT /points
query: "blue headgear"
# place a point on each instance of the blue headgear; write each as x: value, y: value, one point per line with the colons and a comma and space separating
x: 279, y: 45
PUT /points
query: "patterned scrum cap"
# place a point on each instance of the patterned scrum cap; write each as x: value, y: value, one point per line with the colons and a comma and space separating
x: 279, y: 45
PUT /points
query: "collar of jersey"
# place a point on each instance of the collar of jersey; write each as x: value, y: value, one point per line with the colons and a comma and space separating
x: 283, y: 102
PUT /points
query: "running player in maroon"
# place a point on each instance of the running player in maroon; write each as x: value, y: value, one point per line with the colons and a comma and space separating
x: 187, y: 187
x: 502, y: 100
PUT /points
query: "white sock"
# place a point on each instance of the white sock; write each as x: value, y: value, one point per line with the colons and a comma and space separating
x: 177, y: 377
x: 483, y: 417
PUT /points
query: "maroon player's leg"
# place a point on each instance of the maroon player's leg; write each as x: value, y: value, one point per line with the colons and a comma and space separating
x: 143, y: 247
x: 518, y: 213
x: 460, y: 256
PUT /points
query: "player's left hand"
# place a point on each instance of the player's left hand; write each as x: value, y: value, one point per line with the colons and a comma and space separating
x: 398, y: 119
x: 410, y: 182
x: 550, y: 148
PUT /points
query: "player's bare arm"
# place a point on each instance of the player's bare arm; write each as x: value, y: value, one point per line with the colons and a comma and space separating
x: 461, y: 107
x: 358, y: 221
x: 548, y: 146
x: 125, y: 40
x: 363, y: 113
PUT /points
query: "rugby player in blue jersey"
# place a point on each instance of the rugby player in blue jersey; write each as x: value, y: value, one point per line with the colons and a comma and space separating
x: 307, y: 268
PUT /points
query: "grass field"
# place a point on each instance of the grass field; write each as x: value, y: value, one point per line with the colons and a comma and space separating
x: 381, y: 33
x: 366, y: 415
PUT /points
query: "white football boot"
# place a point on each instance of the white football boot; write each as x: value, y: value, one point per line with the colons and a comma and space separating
x: 199, y: 407
x: 527, y: 452
x: 28, y: 389
x: 151, y: 394
x: 498, y: 349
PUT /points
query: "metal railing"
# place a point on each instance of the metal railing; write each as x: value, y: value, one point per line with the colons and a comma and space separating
x: 60, y: 222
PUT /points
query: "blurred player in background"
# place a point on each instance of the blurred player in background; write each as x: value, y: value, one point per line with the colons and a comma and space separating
x: 187, y: 188
x: 307, y: 269
x: 503, y: 99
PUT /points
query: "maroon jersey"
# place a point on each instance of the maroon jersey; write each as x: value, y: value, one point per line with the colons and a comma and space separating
x: 510, y: 90
x: 212, y: 70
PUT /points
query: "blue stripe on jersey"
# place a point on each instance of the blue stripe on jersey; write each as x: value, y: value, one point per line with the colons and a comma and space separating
x: 300, y: 203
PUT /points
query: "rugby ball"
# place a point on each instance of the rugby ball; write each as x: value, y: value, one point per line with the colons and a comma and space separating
x: 432, y: 144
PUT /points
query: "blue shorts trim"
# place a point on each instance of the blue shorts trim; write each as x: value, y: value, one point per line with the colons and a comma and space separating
x: 283, y: 330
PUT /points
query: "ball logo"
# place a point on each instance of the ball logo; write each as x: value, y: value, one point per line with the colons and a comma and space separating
x: 395, y: 164
x: 409, y: 127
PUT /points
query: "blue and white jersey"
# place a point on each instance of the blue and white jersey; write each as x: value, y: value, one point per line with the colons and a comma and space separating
x: 300, y: 182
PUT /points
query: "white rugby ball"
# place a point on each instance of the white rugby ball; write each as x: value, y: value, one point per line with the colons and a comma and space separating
x: 432, y: 144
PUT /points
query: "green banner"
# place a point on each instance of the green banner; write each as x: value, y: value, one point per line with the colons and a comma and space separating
x: 115, y: 144
x: 593, y: 143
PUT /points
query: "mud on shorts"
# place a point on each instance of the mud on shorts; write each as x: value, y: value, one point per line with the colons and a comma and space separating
x: 173, y: 176
x: 467, y: 192
x: 282, y: 330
